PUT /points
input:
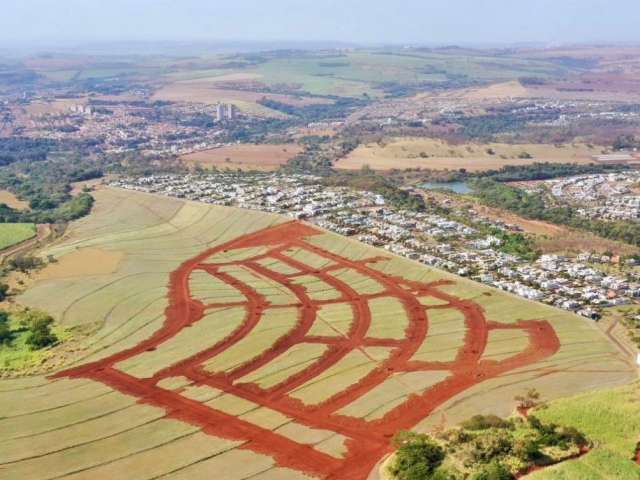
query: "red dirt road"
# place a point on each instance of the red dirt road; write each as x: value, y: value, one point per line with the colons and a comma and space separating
x: 367, y: 440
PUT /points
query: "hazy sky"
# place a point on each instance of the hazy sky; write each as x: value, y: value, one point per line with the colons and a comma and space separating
x: 368, y: 21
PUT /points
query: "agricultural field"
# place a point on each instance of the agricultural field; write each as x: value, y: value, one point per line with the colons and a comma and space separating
x: 437, y: 154
x: 351, y: 73
x: 208, y: 91
x: 13, y: 233
x: 245, y: 157
x: 611, y: 419
x: 242, y: 343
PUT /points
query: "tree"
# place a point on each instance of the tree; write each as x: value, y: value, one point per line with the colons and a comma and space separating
x: 39, y: 326
x: 4, y: 290
x: 5, y: 330
x: 529, y: 400
x: 418, y: 457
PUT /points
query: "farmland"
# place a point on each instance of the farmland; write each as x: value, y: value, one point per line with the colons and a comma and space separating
x: 609, y: 417
x: 245, y: 157
x: 439, y: 155
x: 317, y: 349
x: 14, y: 233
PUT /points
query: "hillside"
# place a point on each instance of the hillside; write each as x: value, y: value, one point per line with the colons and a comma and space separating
x: 213, y: 339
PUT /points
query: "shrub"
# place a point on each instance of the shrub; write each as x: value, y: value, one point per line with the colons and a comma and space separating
x: 493, y: 471
x: 39, y: 325
x: 484, y: 422
x: 5, y: 331
x: 418, y: 457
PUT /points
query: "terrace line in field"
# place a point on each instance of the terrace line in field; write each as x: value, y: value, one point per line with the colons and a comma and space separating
x: 339, y: 384
x: 243, y: 418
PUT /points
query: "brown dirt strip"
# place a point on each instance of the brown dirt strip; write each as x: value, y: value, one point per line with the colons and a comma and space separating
x: 367, y: 441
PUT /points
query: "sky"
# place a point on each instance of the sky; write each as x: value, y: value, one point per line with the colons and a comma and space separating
x: 427, y: 22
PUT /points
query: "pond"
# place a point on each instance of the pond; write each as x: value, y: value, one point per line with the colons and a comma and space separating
x: 457, y: 187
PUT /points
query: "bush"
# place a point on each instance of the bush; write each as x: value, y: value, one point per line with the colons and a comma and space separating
x: 418, y: 457
x: 484, y: 422
x: 5, y: 331
x: 493, y: 471
x: 40, y: 334
x: 491, y: 445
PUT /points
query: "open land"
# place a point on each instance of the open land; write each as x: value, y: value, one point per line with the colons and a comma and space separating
x: 14, y: 233
x: 610, y: 418
x: 439, y: 155
x: 302, y: 369
x: 245, y: 157
x: 9, y: 199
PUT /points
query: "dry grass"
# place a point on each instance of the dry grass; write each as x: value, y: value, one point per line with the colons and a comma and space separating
x: 82, y: 262
x: 208, y: 91
x: 576, y: 241
x: 245, y: 157
x: 55, y: 107
x: 12, y: 201
x: 437, y: 154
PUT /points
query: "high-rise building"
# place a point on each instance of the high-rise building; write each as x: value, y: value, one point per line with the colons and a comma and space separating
x: 231, y: 111
x: 220, y: 112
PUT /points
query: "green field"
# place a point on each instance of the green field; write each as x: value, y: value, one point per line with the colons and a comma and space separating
x: 354, y: 73
x: 14, y: 233
x: 609, y: 418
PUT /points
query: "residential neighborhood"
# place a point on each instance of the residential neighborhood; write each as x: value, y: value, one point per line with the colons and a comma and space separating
x: 572, y: 283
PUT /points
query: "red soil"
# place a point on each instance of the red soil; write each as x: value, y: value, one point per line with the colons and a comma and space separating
x: 367, y: 441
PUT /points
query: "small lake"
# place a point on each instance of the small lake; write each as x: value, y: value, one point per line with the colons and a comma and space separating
x: 457, y: 187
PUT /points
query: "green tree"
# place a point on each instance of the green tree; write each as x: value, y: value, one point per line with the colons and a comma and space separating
x: 418, y: 457
x: 493, y: 471
x: 39, y: 326
x: 4, y: 290
x: 5, y: 330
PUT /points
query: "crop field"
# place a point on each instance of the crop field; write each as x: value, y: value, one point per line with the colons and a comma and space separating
x: 356, y: 73
x: 14, y: 233
x: 244, y: 156
x: 611, y: 419
x: 208, y: 91
x: 439, y: 155
x: 242, y: 343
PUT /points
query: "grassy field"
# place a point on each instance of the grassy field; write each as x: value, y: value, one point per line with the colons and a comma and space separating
x: 14, y: 233
x: 207, y: 91
x: 245, y: 157
x: 361, y: 72
x: 322, y: 323
x: 611, y: 419
x: 439, y: 155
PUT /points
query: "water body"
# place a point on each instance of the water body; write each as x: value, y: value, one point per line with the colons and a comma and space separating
x: 458, y: 187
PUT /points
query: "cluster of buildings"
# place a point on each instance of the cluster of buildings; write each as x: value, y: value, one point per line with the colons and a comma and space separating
x: 460, y: 246
x: 610, y: 196
x: 226, y: 112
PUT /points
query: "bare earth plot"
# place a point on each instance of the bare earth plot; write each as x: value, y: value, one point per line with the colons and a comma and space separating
x: 439, y: 155
x: 302, y: 359
x: 245, y: 157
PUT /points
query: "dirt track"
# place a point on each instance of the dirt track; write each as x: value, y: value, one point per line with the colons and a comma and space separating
x: 367, y: 441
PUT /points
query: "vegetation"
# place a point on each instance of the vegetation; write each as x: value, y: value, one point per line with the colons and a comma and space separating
x: 418, y: 458
x: 25, y: 338
x: 14, y: 233
x: 485, y: 447
x: 610, y: 418
x: 544, y: 171
x: 39, y: 326
x: 369, y: 180
x: 535, y: 206
x: 336, y: 110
